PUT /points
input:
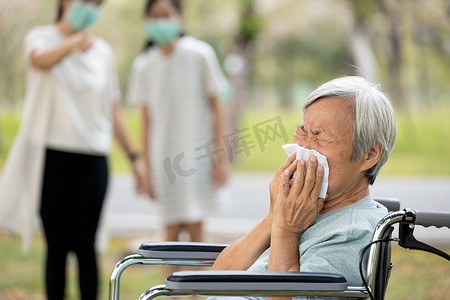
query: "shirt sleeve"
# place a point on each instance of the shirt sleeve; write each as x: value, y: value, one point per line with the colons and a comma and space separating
x: 216, y: 83
x: 36, y: 39
x: 135, y: 90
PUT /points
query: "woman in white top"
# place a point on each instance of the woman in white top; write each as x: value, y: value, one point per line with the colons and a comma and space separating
x: 59, y: 154
x: 177, y: 81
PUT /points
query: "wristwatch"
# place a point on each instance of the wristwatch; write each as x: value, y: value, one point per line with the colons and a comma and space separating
x: 134, y: 156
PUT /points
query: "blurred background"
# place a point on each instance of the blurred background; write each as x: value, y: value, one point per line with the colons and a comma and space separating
x: 274, y: 53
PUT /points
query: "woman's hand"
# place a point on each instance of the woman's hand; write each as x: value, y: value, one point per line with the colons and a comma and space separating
x: 297, y: 202
x: 80, y: 41
x: 220, y: 173
x: 275, y: 182
x: 296, y: 207
x: 144, y: 182
x: 46, y: 59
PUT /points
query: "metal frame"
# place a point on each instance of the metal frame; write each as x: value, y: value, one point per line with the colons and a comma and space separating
x: 161, y: 290
x: 350, y: 292
x: 114, y: 281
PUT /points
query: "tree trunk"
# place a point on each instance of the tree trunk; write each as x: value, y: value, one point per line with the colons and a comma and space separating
x: 394, y: 55
x: 243, y: 47
x: 362, y: 53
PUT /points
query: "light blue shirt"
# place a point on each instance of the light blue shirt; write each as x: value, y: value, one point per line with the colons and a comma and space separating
x: 333, y: 244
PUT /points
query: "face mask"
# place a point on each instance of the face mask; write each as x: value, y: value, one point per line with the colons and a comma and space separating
x: 162, y: 31
x: 82, y: 15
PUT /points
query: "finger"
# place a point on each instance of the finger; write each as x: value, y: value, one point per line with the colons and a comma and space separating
x: 299, y: 180
x: 286, y: 164
x: 310, y: 176
x: 318, y: 183
x: 87, y: 46
x: 285, y: 176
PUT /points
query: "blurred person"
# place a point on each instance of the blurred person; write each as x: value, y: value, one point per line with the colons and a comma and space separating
x: 352, y: 124
x: 60, y: 153
x: 178, y: 82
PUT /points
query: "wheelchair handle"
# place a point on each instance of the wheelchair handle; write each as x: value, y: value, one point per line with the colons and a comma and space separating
x: 432, y: 218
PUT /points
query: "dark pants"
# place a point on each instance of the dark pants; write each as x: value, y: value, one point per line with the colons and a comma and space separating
x: 74, y: 187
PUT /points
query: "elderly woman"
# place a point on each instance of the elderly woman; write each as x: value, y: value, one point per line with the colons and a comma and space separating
x: 350, y: 122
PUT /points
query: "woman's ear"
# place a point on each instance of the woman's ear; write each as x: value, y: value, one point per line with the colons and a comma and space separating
x: 372, y: 157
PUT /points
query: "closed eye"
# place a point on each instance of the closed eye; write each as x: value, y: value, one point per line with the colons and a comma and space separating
x: 301, y: 129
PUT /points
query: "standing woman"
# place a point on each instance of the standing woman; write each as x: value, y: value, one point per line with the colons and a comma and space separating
x: 177, y: 81
x: 58, y: 163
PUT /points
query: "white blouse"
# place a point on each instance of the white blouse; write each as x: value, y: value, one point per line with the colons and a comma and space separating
x: 68, y: 108
x: 85, y: 87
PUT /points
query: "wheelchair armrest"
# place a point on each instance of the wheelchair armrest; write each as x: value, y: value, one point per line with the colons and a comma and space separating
x: 260, y: 281
x: 181, y: 250
x: 392, y: 204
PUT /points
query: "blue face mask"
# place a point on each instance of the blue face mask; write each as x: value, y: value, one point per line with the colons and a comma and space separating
x: 162, y: 31
x: 82, y: 15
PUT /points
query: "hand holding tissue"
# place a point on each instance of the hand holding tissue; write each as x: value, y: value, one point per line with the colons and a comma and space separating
x: 303, y: 153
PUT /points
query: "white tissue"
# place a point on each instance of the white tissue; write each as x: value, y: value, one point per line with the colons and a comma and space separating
x: 303, y: 153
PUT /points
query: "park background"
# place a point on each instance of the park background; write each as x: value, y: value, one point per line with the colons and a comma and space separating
x: 274, y: 53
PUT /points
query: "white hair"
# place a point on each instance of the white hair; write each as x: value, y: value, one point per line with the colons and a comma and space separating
x: 373, y: 116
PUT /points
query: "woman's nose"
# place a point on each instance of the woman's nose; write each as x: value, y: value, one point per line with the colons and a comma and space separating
x: 306, y: 143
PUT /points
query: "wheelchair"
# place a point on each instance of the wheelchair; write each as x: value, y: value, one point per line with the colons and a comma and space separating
x: 292, y: 284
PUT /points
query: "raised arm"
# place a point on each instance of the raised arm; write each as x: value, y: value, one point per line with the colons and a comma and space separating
x: 297, y: 207
x: 46, y: 59
x: 243, y: 253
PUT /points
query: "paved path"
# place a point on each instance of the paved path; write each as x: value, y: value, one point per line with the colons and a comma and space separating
x: 127, y: 213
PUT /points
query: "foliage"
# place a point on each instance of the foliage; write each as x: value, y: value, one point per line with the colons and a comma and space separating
x: 295, y: 42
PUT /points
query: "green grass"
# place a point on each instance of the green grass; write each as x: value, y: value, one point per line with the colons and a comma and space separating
x: 21, y: 275
x: 416, y: 275
x: 422, y: 148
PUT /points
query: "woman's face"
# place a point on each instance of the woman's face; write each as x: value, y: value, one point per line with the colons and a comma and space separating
x: 327, y: 128
x: 68, y: 3
x: 162, y: 9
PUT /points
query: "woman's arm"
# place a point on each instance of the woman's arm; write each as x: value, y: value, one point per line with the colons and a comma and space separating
x: 146, y: 129
x: 45, y: 59
x: 220, y: 172
x: 296, y: 209
x: 120, y: 131
x: 125, y: 142
x: 243, y: 253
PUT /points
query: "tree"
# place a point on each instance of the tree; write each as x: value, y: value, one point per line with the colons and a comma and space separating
x: 250, y: 27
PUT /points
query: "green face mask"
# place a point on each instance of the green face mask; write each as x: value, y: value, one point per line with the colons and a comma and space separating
x: 162, y: 31
x: 82, y: 15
